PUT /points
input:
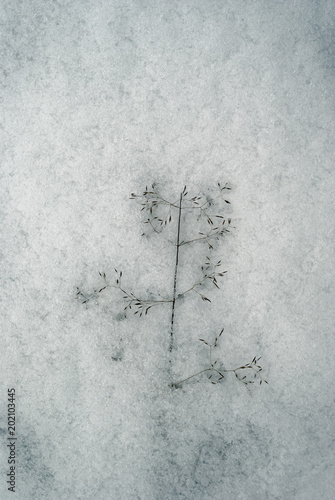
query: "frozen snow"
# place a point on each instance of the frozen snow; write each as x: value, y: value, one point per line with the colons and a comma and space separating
x: 100, y: 99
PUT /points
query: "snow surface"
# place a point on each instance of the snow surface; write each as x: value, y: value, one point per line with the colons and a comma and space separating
x: 98, y: 100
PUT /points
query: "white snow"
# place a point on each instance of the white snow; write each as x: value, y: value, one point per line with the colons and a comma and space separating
x: 100, y: 99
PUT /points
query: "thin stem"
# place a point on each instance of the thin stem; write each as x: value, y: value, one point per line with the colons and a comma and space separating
x: 174, y: 204
x: 220, y: 372
x: 192, y: 288
x: 175, y: 278
x: 131, y: 297
x: 208, y: 235
x: 200, y: 238
x: 207, y: 277
x: 188, y: 378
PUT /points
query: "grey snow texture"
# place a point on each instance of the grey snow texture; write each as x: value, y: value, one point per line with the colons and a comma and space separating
x: 98, y: 100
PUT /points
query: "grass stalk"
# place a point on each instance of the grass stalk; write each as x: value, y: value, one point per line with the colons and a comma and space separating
x: 175, y: 280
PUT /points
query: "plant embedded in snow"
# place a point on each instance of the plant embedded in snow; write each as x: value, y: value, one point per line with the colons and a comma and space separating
x: 160, y: 214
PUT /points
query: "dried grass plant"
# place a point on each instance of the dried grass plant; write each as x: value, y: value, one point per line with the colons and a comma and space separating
x: 160, y: 213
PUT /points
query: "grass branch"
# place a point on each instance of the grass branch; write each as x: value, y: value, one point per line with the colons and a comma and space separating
x: 252, y: 369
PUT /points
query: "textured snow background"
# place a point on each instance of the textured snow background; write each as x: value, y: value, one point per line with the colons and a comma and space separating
x: 99, y: 99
